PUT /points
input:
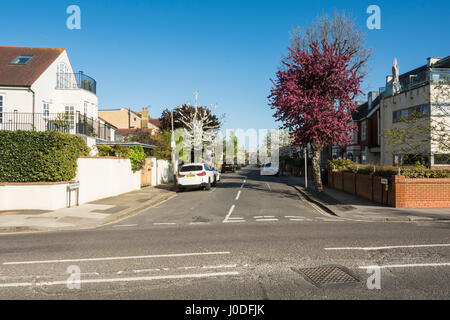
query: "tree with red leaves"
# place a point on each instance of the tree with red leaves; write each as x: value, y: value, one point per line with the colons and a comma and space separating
x: 313, y: 97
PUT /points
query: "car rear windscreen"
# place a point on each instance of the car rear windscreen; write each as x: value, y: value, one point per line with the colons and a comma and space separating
x: 191, y: 168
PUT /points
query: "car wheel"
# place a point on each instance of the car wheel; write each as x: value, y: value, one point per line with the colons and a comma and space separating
x: 208, y: 186
x: 180, y: 189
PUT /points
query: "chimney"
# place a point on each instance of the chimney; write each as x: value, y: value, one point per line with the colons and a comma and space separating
x: 431, y: 61
x: 372, y: 96
x: 144, y: 118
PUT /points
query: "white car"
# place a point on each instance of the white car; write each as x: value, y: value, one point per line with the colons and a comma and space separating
x: 196, y: 175
x: 269, y: 169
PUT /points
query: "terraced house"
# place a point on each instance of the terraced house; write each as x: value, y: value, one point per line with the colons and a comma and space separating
x: 39, y: 90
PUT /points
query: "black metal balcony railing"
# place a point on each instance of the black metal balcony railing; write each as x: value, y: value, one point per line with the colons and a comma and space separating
x: 78, y: 80
x: 70, y: 122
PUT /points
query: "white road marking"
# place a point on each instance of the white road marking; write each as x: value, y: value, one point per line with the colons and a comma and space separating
x: 221, y: 266
x: 242, y: 186
x: 229, y: 213
x: 261, y: 217
x: 238, y: 195
x: 391, y: 247
x: 125, y: 225
x: 193, y: 223
x: 164, y: 223
x: 121, y: 258
x: 179, y: 276
x: 235, y: 218
x: 299, y: 219
x: 445, y: 264
x: 268, y: 186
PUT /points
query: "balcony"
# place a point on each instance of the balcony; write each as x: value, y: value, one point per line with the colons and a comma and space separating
x: 416, y: 80
x: 69, y: 122
x: 74, y: 81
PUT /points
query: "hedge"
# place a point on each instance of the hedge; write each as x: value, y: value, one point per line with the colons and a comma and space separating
x: 28, y: 156
x: 136, y: 154
x: 417, y: 171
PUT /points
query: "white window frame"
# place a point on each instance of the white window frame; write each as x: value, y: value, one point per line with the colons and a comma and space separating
x: 46, y: 111
x: 363, y: 130
x: 70, y: 110
x: 2, y: 109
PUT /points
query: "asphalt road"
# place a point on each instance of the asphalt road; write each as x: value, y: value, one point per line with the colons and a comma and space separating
x: 247, y: 238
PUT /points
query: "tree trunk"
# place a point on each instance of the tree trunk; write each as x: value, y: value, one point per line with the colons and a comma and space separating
x: 316, y: 171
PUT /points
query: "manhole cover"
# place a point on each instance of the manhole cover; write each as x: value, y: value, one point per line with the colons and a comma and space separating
x: 326, y: 275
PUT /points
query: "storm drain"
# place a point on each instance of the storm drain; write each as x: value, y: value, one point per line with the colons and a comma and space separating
x: 327, y: 275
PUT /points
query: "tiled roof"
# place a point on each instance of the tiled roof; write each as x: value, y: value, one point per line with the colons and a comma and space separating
x: 25, y: 75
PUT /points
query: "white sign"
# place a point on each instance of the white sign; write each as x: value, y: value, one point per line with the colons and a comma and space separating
x: 384, y: 181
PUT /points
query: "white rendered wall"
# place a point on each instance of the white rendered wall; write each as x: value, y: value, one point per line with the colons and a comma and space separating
x: 103, y: 177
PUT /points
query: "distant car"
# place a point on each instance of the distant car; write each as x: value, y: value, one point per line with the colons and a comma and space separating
x: 228, y: 167
x: 269, y: 169
x: 238, y: 166
x: 216, y: 173
x: 196, y: 175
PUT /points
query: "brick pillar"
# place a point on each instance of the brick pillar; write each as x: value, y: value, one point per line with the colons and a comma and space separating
x: 398, y: 192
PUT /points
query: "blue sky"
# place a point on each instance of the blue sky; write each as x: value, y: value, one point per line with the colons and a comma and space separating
x: 158, y: 53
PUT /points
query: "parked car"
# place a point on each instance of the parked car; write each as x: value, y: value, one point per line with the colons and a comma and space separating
x: 238, y: 166
x: 228, y: 167
x: 196, y: 175
x: 269, y: 169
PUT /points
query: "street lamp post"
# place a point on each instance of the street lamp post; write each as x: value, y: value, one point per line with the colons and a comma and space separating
x: 173, y: 145
x: 305, y: 152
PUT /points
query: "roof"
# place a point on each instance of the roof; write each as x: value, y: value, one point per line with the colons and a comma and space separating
x: 364, y: 110
x: 126, y: 144
x: 100, y: 118
x: 25, y: 75
x: 126, y: 132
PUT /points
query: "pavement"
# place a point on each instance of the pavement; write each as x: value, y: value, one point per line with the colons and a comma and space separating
x: 85, y: 216
x: 251, y: 237
x: 349, y: 206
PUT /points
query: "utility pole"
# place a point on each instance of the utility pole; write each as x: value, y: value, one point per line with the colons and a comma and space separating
x: 173, y: 145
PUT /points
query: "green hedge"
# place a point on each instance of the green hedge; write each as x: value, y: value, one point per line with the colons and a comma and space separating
x: 28, y: 156
x: 136, y: 154
x: 417, y: 171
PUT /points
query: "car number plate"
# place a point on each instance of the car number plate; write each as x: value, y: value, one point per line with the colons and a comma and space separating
x: 191, y: 175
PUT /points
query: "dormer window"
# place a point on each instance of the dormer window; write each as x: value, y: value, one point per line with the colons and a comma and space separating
x: 21, y: 60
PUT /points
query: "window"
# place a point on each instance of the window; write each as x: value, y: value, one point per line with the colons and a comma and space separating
x: 63, y: 76
x: 1, y: 109
x: 46, y: 110
x: 442, y: 159
x: 21, y: 60
x: 191, y: 168
x: 70, y: 114
x: 363, y: 131
x: 412, y: 112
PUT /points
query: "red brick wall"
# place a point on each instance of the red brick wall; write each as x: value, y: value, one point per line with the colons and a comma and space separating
x: 421, y: 193
x: 400, y: 193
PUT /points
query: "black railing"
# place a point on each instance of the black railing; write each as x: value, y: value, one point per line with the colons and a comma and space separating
x: 70, y: 122
x: 75, y: 81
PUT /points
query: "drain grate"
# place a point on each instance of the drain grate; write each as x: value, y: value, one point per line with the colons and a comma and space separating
x: 326, y: 275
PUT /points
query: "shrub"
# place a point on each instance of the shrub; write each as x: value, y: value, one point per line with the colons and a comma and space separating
x: 417, y: 171
x: 136, y: 154
x: 28, y: 156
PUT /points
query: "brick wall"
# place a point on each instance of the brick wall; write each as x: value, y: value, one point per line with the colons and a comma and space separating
x: 421, y: 193
x: 399, y: 192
